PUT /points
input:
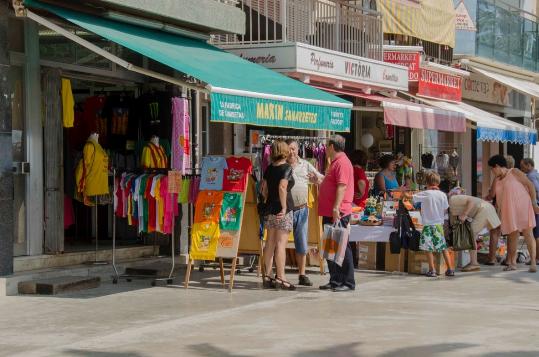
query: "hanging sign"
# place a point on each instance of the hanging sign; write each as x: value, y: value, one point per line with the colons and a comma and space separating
x: 463, y: 20
x: 484, y: 89
x: 406, y: 59
x: 439, y: 85
x: 275, y: 113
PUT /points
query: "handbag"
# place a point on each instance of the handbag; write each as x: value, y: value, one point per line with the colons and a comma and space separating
x: 262, y: 207
x: 334, y: 242
x: 395, y: 243
x: 412, y: 235
x: 462, y: 236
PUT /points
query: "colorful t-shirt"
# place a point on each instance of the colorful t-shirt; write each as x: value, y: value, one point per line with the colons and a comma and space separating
x: 183, y: 197
x: 208, y: 206
x: 204, y: 238
x: 239, y: 169
x: 212, y: 173
x: 231, y: 212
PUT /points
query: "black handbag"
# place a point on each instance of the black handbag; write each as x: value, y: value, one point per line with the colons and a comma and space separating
x: 395, y: 241
x: 262, y: 206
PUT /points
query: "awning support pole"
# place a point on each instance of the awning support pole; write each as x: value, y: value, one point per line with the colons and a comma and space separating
x: 115, y: 59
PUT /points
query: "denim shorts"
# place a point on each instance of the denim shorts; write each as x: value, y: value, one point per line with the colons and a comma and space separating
x: 301, y: 230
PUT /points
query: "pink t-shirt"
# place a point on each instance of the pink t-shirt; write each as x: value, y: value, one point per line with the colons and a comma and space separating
x: 340, y: 172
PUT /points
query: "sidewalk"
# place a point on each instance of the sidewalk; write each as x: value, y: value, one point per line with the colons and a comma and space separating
x: 490, y: 313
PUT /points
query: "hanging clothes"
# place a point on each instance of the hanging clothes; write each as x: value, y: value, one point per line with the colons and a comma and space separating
x: 183, y: 197
x: 208, y: 206
x: 204, y: 238
x: 68, y: 104
x: 181, y: 121
x: 231, y: 212
x: 194, y: 189
x: 91, y: 173
x: 236, y: 174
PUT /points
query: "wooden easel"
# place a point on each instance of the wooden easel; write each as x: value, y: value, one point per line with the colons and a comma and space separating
x: 245, y: 239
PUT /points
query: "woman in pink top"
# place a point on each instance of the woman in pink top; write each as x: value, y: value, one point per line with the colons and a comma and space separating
x: 515, y: 196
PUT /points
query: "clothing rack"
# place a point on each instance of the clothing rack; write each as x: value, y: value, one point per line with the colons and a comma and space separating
x: 128, y: 277
x: 285, y: 137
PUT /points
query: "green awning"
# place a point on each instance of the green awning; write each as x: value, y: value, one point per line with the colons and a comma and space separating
x: 241, y: 92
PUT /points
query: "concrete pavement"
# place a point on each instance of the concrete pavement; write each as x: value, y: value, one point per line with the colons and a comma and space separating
x: 490, y: 313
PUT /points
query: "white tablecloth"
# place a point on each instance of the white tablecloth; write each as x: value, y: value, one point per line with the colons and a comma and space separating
x: 370, y: 233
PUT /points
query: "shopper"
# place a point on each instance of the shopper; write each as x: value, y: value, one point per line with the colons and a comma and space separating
x: 361, y: 183
x: 276, y: 186
x: 386, y: 179
x: 517, y: 202
x: 510, y: 161
x: 302, y: 170
x: 482, y: 214
x: 361, y: 190
x: 528, y: 167
x: 433, y: 208
x: 334, y: 205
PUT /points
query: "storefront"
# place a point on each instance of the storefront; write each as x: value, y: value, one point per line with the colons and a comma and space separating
x: 155, y: 73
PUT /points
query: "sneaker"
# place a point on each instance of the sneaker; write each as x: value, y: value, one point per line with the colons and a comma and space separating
x: 450, y: 272
x: 431, y: 274
x: 304, y: 280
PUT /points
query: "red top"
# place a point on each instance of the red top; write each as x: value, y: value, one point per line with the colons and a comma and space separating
x: 340, y: 172
x: 359, y: 174
x: 235, y: 178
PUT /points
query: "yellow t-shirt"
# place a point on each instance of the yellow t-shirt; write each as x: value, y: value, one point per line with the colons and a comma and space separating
x: 91, y: 173
x: 68, y: 104
x: 204, y: 238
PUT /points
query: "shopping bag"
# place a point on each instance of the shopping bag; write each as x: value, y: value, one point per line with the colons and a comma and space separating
x: 334, y: 242
x: 461, y: 236
x: 395, y: 242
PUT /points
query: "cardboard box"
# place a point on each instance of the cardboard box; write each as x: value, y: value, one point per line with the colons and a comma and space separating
x: 418, y: 263
x: 395, y: 262
x: 367, y: 255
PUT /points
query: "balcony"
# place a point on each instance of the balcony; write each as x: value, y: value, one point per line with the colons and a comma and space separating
x: 506, y: 34
x: 329, y: 24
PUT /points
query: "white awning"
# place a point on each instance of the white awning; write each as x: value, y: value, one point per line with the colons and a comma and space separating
x: 490, y: 127
x: 520, y: 85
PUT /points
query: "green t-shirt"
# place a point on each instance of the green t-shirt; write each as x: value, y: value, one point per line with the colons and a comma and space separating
x: 183, y: 197
x: 231, y: 212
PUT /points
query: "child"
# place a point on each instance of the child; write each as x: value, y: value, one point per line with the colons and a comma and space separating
x: 433, y: 207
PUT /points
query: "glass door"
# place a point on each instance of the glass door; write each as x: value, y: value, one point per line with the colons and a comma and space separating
x: 16, y: 85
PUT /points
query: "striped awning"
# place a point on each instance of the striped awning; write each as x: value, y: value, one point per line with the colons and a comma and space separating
x: 429, y: 20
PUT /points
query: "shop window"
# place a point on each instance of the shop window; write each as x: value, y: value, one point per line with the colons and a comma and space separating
x: 57, y: 48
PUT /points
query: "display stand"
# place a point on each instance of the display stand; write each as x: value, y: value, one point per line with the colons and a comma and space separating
x: 129, y: 277
x: 245, y: 241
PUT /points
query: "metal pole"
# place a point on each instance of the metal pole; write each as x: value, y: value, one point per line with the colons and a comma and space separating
x: 117, y: 275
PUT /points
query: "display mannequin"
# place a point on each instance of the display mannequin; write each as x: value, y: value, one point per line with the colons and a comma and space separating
x: 91, y: 173
x: 153, y: 155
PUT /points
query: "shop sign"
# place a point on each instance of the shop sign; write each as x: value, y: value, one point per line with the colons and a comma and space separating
x: 311, y: 60
x: 274, y: 113
x: 344, y: 67
x: 463, y: 20
x: 439, y: 85
x: 406, y: 59
x: 484, y: 89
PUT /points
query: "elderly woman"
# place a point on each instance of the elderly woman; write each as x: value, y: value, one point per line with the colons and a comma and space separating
x: 302, y: 171
x: 276, y: 189
x: 386, y: 179
x: 482, y: 214
x: 516, y: 199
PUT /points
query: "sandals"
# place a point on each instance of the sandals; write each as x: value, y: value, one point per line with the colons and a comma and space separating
x: 469, y: 268
x: 268, y: 282
x: 490, y: 263
x: 510, y: 268
x: 284, y: 285
x: 533, y: 269
x: 431, y: 274
x: 450, y: 272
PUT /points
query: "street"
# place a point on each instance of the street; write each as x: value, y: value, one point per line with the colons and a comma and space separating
x: 490, y: 313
